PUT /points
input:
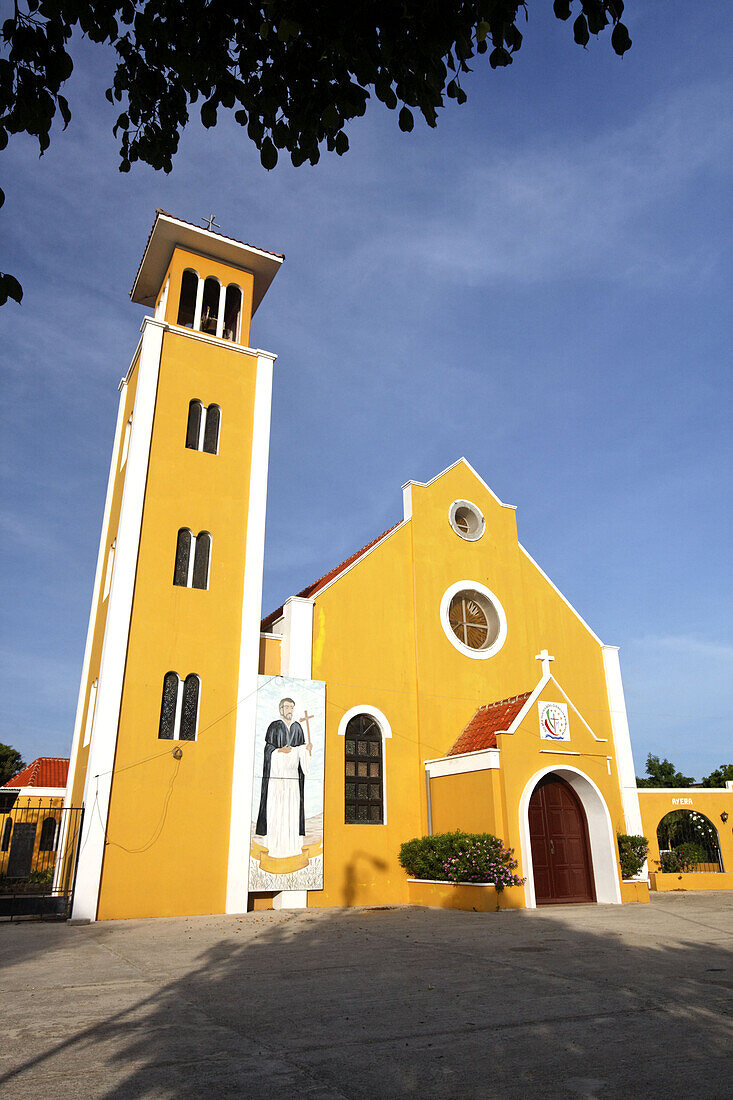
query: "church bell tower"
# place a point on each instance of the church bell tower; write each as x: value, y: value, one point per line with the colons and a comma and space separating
x: 162, y: 751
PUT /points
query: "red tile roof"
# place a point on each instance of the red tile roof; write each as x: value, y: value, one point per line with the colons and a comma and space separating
x: 46, y: 771
x: 481, y: 731
x: 316, y: 586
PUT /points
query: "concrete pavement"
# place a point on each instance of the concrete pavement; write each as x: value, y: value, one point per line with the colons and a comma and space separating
x: 572, y: 1001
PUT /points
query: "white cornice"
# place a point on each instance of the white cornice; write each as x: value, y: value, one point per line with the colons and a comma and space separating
x: 205, y: 338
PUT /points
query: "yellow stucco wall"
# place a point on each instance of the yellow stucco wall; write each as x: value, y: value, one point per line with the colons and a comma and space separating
x: 712, y: 802
x: 270, y: 655
x: 378, y: 640
x: 168, y: 830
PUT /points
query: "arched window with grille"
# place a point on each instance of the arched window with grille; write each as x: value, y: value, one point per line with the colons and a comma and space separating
x: 179, y: 711
x: 47, y: 842
x: 203, y: 427
x: 7, y: 830
x: 169, y: 707
x: 190, y: 708
x: 364, y: 771
x: 688, y: 841
x: 183, y: 557
x: 187, y: 301
x: 232, y: 311
x: 211, y: 430
x: 193, y: 426
x: 193, y: 555
x: 200, y: 571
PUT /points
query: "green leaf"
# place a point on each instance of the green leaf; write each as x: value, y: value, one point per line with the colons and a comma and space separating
x: 620, y: 39
x: 561, y: 9
x: 2, y: 197
x: 10, y: 288
x: 241, y: 117
x: 499, y: 58
x: 268, y: 154
x: 482, y: 30
x: 208, y: 113
x: 580, y: 31
x: 405, y: 120
x: 342, y: 143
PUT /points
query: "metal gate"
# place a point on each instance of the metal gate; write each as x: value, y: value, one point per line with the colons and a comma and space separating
x: 38, y: 850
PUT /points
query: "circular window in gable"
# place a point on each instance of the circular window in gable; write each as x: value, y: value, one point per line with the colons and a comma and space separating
x: 473, y: 619
x: 466, y: 520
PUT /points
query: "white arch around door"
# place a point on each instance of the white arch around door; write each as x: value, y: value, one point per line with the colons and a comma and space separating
x: 600, y: 834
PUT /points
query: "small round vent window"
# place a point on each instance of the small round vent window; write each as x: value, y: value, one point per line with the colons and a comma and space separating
x: 466, y: 520
x: 473, y: 619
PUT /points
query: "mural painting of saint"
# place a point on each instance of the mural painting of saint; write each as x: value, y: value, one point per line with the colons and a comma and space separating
x: 281, y: 818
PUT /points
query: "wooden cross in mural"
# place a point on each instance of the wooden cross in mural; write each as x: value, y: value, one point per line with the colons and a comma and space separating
x: 306, y: 718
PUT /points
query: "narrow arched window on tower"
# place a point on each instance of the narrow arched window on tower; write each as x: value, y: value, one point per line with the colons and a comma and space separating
x: 210, y: 305
x: 183, y: 557
x: 190, y: 708
x: 47, y: 842
x: 211, y: 431
x: 232, y: 309
x: 187, y: 302
x: 193, y: 427
x: 6, y: 835
x: 169, y: 707
x: 200, y: 578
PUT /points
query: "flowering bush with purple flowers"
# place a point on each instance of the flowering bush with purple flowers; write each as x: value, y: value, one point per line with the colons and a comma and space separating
x: 461, y: 857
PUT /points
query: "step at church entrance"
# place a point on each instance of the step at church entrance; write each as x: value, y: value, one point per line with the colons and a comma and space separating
x: 561, y: 856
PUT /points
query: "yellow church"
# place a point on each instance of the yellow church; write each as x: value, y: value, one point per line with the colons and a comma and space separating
x: 437, y: 680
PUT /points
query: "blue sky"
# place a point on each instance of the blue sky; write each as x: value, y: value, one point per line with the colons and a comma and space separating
x: 541, y: 284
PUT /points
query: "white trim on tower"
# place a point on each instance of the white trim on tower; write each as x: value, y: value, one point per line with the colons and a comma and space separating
x: 98, y: 783
x: 249, y: 647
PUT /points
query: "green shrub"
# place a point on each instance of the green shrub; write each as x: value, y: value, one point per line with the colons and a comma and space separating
x: 632, y: 852
x: 461, y: 857
x: 684, y: 857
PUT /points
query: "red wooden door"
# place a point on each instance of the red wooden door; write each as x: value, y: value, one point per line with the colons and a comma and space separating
x: 560, y: 849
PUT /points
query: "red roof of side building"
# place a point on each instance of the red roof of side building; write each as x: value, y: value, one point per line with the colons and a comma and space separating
x: 481, y: 731
x: 46, y: 771
x: 316, y: 586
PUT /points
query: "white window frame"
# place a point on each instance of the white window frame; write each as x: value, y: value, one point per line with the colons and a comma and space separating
x: 475, y: 586
x: 386, y: 731
x: 477, y: 512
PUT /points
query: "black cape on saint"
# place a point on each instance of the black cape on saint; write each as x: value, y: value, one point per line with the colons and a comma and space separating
x: 277, y: 737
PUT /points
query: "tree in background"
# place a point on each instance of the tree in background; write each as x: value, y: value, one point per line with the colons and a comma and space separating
x: 663, y: 774
x: 11, y: 762
x: 294, y: 72
x: 719, y: 776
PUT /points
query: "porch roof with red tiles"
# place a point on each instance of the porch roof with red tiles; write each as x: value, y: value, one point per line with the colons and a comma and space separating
x: 493, y: 718
x: 45, y: 771
x: 312, y: 589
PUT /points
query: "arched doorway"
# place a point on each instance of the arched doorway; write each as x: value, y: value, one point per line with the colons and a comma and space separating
x: 558, y: 832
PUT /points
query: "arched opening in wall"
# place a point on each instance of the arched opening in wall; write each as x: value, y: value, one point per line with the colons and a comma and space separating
x: 561, y: 857
x: 210, y: 305
x: 47, y: 842
x: 601, y: 834
x: 232, y: 310
x: 7, y: 830
x: 193, y: 425
x: 688, y: 842
x: 187, y: 301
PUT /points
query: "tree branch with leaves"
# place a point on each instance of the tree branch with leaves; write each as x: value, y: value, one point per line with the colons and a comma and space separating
x: 293, y: 72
